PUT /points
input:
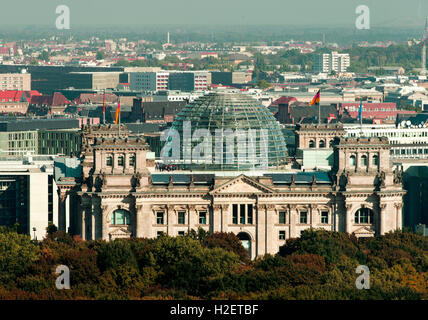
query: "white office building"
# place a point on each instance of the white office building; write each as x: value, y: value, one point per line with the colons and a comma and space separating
x: 407, y: 141
x: 334, y: 61
x: 28, y: 193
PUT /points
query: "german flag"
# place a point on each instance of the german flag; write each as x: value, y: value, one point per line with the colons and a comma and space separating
x: 316, y: 99
x: 117, y: 113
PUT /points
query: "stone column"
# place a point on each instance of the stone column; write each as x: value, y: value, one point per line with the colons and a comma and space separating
x: 104, y: 222
x: 311, y: 214
x: 139, y: 221
x: 83, y: 221
x: 114, y: 166
x: 192, y: 218
x: 332, y: 217
x: 348, y: 218
x: 382, y: 208
x: 271, y: 236
x: 62, y: 197
x: 94, y: 212
x: 216, y: 219
x: 146, y: 221
x: 126, y: 162
x: 225, y: 217
x: 398, y: 219
x: 292, y: 221
x: 170, y: 221
x: 261, y: 229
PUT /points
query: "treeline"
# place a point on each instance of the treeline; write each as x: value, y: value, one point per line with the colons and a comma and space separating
x: 400, y: 55
x: 318, y: 265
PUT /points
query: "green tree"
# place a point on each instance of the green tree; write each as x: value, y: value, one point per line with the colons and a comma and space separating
x: 100, y: 55
x: 44, y: 56
x: 18, y: 252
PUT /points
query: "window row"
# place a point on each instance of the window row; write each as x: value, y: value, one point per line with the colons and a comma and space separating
x: 321, y: 144
x: 245, y: 214
x: 181, y: 217
x: 364, y: 160
x: 303, y: 217
x: 120, y: 161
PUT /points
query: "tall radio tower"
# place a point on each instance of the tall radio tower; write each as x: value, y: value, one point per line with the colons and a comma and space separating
x: 424, y: 49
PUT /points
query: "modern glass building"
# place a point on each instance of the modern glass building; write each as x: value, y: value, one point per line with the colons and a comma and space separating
x: 226, y: 130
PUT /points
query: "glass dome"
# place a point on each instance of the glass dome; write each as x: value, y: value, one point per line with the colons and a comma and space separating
x: 244, y: 135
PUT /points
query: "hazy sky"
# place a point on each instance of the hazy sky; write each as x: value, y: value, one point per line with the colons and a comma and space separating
x: 209, y: 12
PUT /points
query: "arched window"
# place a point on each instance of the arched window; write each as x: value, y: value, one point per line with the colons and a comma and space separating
x: 311, y: 144
x: 352, y: 160
x: 120, y: 161
x: 364, y: 161
x: 364, y: 216
x: 246, y: 241
x: 330, y: 144
x: 322, y: 143
x: 375, y: 160
x: 120, y: 217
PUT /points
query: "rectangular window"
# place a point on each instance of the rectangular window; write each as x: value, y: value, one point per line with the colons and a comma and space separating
x: 120, y: 161
x: 282, y: 219
x: 324, y: 217
x: 235, y: 214
x: 109, y: 161
x: 132, y: 161
x: 159, y: 217
x: 282, y: 235
x: 159, y: 234
x: 181, y: 233
x: 242, y: 214
x: 250, y: 214
x: 303, y: 217
x: 181, y: 217
x: 202, y: 217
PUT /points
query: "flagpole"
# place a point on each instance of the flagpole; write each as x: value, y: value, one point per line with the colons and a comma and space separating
x: 104, y: 107
x: 319, y: 107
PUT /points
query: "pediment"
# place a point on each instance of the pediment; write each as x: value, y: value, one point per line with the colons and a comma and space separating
x: 242, y: 184
x: 120, y: 233
x: 364, y: 231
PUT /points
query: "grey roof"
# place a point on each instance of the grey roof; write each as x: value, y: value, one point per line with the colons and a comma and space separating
x: 300, y: 177
x: 299, y: 113
x: 35, y: 124
x: 179, y: 178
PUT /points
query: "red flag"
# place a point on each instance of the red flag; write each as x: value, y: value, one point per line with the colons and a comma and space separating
x: 117, y: 113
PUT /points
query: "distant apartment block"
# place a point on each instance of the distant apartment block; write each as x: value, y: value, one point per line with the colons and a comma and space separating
x: 230, y: 78
x: 40, y: 136
x: 92, y: 80
x: 148, y: 81
x: 15, y: 81
x: 328, y: 62
x: 189, y: 80
x: 48, y: 79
